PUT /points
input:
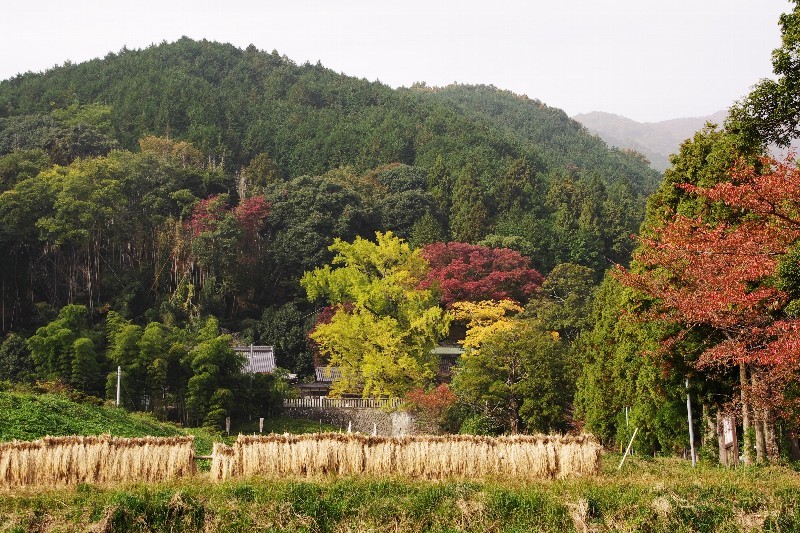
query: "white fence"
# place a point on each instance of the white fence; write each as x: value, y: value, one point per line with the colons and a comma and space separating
x: 351, y: 403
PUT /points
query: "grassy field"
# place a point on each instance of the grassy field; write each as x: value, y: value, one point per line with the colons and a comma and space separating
x: 653, y: 495
x: 647, y: 495
x: 29, y: 416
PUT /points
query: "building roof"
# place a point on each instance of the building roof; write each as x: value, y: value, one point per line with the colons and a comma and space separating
x: 328, y: 374
x: 259, y: 359
x: 448, y: 350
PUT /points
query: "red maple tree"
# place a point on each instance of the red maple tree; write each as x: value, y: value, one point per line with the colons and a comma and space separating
x: 722, y: 276
x: 719, y: 274
x: 251, y: 212
x: 433, y: 403
x: 207, y: 213
x: 469, y: 272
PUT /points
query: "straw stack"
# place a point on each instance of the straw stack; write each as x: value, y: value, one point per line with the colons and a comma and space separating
x: 56, y: 461
x: 423, y: 457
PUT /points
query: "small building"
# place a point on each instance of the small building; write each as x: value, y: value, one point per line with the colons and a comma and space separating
x: 325, y: 376
x: 448, y: 358
x: 258, y: 359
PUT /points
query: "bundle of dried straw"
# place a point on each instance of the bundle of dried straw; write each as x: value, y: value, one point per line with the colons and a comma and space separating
x: 58, y: 461
x: 425, y: 457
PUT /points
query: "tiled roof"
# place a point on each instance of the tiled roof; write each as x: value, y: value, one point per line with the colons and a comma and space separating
x: 259, y: 359
x: 327, y: 374
x: 448, y: 350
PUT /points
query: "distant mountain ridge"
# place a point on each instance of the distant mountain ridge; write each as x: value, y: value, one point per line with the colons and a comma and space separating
x: 655, y: 140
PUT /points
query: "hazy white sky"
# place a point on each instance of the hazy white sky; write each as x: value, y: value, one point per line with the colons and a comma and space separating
x: 646, y: 59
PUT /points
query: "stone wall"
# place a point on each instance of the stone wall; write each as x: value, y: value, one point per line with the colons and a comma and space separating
x: 390, y: 423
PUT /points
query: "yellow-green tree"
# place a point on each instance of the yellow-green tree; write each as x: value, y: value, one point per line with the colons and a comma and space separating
x: 384, y: 326
x: 484, y: 319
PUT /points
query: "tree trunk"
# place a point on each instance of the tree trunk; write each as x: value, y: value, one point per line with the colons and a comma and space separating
x: 723, y: 452
x: 709, y: 434
x: 795, y: 443
x: 747, y: 448
x: 758, y: 415
x: 761, y: 449
x: 770, y: 437
x: 513, y: 416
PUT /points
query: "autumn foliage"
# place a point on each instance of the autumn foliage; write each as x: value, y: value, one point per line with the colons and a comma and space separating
x: 432, y: 403
x: 484, y: 319
x: 251, y: 212
x: 723, y: 275
x: 469, y: 272
x: 209, y: 212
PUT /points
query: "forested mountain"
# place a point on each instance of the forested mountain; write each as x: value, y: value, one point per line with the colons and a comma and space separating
x: 154, y: 201
x: 140, y: 137
x: 235, y: 104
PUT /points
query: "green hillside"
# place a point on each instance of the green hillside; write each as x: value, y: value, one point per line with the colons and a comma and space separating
x: 235, y: 104
x: 28, y: 416
x: 102, y: 162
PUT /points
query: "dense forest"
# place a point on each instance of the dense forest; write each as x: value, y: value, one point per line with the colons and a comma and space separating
x: 129, y: 144
x: 161, y: 205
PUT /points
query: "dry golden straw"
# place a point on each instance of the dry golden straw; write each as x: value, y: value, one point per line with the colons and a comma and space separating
x: 55, y: 461
x: 424, y: 457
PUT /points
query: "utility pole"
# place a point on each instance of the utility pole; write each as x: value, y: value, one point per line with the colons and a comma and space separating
x: 119, y: 380
x: 691, y: 429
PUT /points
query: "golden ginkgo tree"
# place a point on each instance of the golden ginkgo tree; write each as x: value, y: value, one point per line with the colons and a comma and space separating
x: 384, y: 326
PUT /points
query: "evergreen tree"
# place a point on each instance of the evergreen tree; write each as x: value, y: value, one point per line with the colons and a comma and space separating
x: 469, y: 217
x: 85, y: 367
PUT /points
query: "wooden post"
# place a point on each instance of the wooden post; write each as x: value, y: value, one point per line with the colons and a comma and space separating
x: 747, y: 455
x: 734, y: 447
x: 628, y: 449
x: 119, y: 380
x: 728, y: 441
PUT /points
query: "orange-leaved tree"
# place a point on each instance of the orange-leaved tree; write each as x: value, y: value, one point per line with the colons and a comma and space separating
x: 736, y: 279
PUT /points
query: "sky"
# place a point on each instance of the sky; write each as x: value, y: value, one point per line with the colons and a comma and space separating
x: 648, y: 60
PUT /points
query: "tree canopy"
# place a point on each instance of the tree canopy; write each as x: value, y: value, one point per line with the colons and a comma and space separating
x: 469, y: 272
x: 384, y: 327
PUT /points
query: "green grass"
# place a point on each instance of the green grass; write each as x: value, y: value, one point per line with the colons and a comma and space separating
x: 646, y: 495
x: 659, y: 495
x: 28, y: 416
x: 284, y: 424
